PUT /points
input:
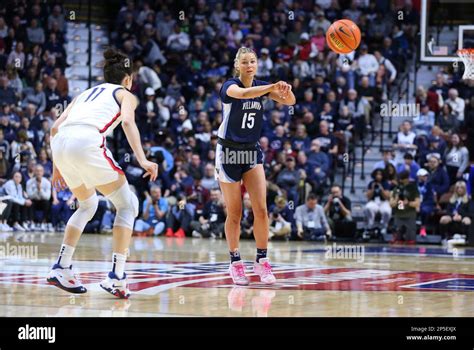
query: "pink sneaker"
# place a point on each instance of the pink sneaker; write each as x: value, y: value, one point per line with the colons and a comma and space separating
x: 264, y: 270
x: 237, y: 272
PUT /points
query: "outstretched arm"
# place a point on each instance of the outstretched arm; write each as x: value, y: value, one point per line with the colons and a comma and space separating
x: 128, y: 103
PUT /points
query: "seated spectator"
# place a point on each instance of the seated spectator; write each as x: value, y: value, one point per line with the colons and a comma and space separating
x: 457, y: 104
x: 456, y: 159
x: 387, y: 158
x: 438, y: 178
x: 279, y: 227
x: 21, y: 206
x: 367, y: 64
x: 179, y: 217
x: 311, y: 221
x: 209, y: 180
x: 61, y: 208
x: 7, y: 94
x: 405, y: 203
x: 212, y: 221
x: 37, y: 98
x: 404, y: 142
x: 423, y: 123
x: 154, y: 212
x: 458, y: 217
x: 5, y: 210
x: 378, y: 196
x: 38, y: 189
x: 447, y: 121
x: 338, y: 213
x: 409, y: 165
x: 289, y: 178
x: 427, y: 198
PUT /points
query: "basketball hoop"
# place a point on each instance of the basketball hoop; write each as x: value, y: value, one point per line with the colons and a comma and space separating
x: 467, y: 56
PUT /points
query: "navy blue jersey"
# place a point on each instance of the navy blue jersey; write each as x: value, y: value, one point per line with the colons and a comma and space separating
x: 242, y: 118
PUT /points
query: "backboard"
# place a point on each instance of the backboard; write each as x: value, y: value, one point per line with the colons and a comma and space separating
x: 446, y: 26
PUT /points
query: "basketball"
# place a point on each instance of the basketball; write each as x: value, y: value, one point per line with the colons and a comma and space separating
x: 343, y: 36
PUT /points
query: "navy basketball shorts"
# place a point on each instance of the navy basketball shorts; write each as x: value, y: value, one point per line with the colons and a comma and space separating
x: 232, y: 163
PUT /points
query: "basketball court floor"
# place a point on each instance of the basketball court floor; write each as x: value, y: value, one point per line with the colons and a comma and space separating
x: 188, y: 277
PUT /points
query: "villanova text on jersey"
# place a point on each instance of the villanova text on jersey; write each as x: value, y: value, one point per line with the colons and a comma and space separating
x: 242, y: 118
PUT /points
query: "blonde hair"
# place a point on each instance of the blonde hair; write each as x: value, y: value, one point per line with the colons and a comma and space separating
x: 243, y: 50
x: 456, y: 196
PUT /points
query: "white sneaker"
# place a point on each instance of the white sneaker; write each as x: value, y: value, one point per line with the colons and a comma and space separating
x: 237, y: 272
x: 116, y: 286
x: 65, y: 279
x: 43, y: 227
x: 18, y: 227
x: 7, y: 228
x: 264, y: 270
x: 50, y: 227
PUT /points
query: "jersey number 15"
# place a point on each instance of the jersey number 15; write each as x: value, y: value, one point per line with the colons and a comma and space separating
x: 248, y: 120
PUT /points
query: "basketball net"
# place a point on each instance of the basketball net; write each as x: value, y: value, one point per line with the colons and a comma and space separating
x: 467, y: 56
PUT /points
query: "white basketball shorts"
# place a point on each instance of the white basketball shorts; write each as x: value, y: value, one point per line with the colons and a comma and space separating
x: 81, y: 156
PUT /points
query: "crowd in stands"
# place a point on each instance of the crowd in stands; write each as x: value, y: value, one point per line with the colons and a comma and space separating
x: 182, y: 52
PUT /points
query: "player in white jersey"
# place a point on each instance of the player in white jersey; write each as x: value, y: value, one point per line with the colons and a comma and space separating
x: 83, y: 163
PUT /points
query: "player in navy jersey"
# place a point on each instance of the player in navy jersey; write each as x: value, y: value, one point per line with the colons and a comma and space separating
x: 239, y: 158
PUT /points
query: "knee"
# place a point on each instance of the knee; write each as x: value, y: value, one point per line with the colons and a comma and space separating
x: 234, y: 217
x: 260, y: 212
x: 445, y: 220
x: 126, y: 204
x: 89, y: 206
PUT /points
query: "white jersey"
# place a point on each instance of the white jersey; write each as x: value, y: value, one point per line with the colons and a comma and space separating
x: 97, y: 107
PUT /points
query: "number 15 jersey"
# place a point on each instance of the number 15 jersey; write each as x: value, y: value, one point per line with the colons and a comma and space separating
x: 242, y: 119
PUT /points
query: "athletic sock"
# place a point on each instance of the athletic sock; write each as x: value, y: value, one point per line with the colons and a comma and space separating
x: 235, y: 256
x: 65, y: 255
x: 261, y: 254
x: 118, y: 264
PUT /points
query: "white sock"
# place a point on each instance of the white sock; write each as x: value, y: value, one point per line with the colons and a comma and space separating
x: 118, y: 264
x: 65, y: 255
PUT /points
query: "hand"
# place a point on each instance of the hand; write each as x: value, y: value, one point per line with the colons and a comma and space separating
x: 57, y: 180
x: 55, y: 202
x: 282, y: 89
x: 300, y: 234
x: 329, y: 232
x: 28, y: 202
x: 151, y: 169
x: 457, y: 217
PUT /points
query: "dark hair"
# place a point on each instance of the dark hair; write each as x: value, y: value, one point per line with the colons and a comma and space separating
x: 117, y: 65
x: 312, y: 196
x: 405, y: 174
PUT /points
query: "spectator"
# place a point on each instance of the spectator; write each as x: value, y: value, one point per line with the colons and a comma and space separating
x: 35, y: 33
x: 439, y: 178
x: 404, y: 142
x: 289, y: 178
x: 427, y: 197
x: 447, y: 121
x: 367, y: 64
x: 338, y: 213
x: 405, y: 203
x: 409, y: 165
x: 423, y: 123
x: 458, y: 217
x: 212, y: 221
x: 311, y: 221
x: 378, y: 196
x: 179, y: 218
x: 457, y: 104
x: 456, y: 159
x: 38, y: 189
x: 154, y: 211
x: 21, y: 206
x: 61, y: 208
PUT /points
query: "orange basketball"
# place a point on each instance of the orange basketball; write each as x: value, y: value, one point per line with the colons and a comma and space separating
x: 343, y: 36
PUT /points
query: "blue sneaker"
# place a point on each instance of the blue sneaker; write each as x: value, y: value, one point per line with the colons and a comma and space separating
x: 64, y: 278
x: 116, y: 286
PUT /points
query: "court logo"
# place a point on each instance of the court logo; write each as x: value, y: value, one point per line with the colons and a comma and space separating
x: 15, y: 251
x: 345, y: 252
x: 37, y: 333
